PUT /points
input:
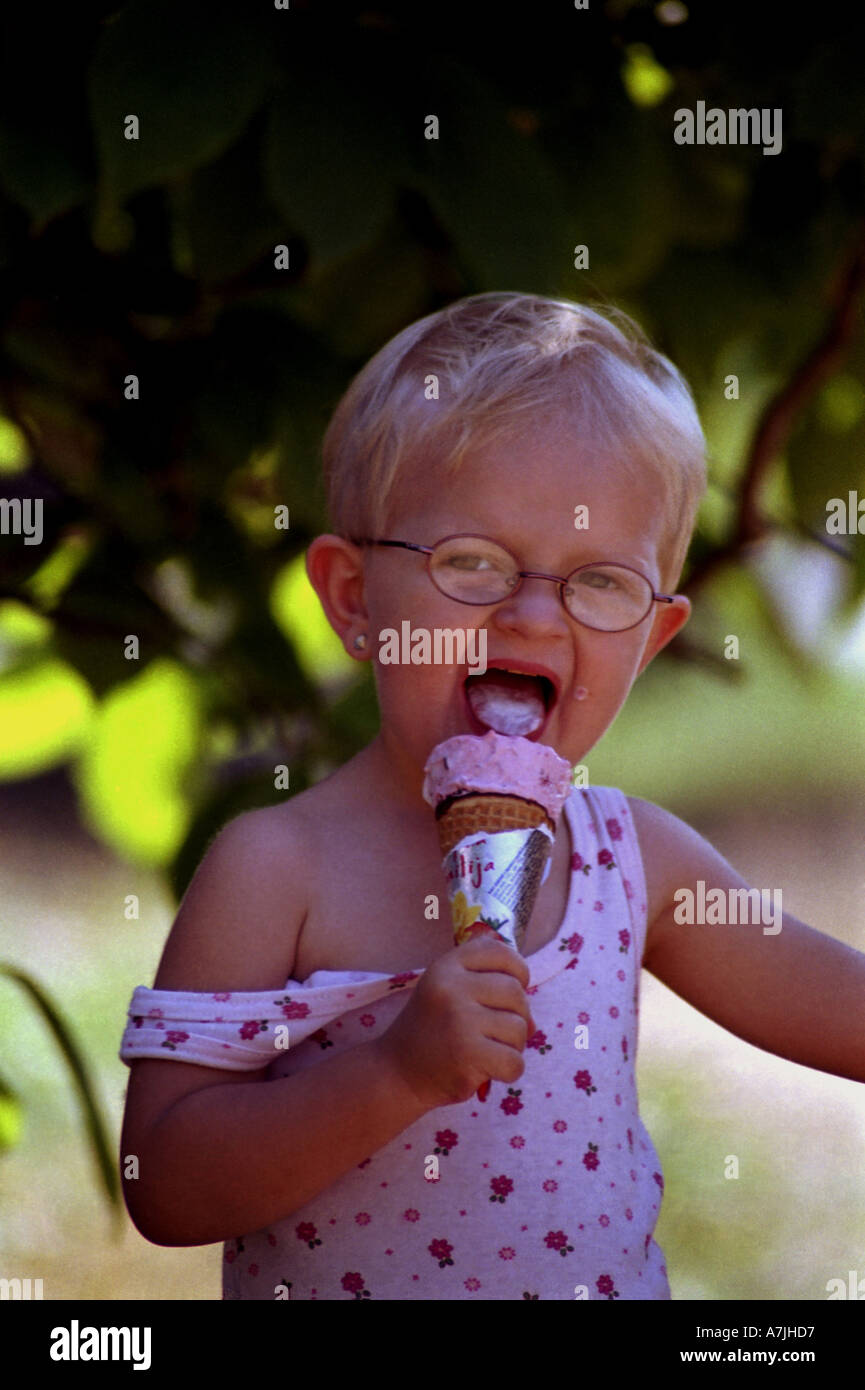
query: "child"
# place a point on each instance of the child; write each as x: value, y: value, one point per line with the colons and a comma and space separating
x: 308, y: 953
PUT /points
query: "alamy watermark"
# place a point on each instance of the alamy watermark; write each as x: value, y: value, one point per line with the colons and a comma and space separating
x: 443, y: 646
x: 17, y: 518
x: 722, y: 907
x: 755, y: 126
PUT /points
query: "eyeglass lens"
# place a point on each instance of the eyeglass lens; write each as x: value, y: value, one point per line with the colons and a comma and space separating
x: 473, y: 570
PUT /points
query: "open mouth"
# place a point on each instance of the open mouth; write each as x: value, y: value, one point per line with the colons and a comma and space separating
x: 509, y: 702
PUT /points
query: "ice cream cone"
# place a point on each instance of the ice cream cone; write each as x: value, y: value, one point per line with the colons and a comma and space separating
x: 497, y: 801
x: 487, y: 812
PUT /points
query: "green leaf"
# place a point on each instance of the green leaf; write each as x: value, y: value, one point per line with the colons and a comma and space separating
x: 192, y: 71
x: 141, y: 766
x: 96, y: 1132
x: 45, y: 713
x: 513, y: 219
x: 335, y: 154
x: 43, y: 165
x: 11, y: 1118
x: 224, y: 219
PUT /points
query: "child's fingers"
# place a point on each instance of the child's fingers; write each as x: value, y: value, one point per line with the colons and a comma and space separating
x: 488, y: 953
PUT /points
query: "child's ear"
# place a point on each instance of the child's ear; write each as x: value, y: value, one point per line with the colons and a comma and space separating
x: 335, y: 570
x: 670, y: 619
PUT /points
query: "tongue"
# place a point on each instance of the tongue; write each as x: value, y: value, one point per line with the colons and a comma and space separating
x: 507, y: 703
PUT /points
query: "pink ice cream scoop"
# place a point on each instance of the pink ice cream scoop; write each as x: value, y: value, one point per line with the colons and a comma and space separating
x: 500, y: 764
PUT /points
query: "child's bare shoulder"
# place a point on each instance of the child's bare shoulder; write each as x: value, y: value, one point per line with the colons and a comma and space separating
x: 238, y: 923
x: 672, y: 851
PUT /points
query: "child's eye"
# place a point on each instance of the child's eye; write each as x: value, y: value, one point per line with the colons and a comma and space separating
x: 598, y: 579
x: 469, y: 562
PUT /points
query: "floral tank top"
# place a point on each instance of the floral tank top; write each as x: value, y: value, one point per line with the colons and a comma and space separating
x: 550, y: 1189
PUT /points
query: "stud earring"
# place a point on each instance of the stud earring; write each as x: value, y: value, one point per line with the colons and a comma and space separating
x: 360, y: 641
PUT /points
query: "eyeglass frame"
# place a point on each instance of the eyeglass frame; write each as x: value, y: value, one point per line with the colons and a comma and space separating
x: 521, y: 575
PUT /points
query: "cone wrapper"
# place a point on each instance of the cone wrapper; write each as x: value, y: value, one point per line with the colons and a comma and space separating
x: 493, y: 881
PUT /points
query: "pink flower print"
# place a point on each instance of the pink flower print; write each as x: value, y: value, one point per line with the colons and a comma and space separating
x: 578, y: 864
x: 626, y: 884
x: 625, y: 1048
x: 507, y: 1252
x: 173, y: 1038
x: 320, y: 1036
x: 598, y: 906
x: 526, y: 1294
x: 512, y: 1104
x: 472, y: 1285
x: 646, y: 1243
x: 353, y: 1283
x: 614, y: 830
x: 560, y: 1126
x: 308, y: 1233
x: 620, y: 975
x: 397, y: 981
x: 630, y: 1135
x: 557, y: 1240
x: 583, y: 1017
x: 633, y: 1175
x: 363, y: 1218
x: 517, y: 1141
x: 290, y: 1008
x: 230, y: 1256
x: 502, y: 1188
x: 590, y: 1158
x: 137, y: 1020
x: 221, y: 998
x: 253, y: 1270
x: 550, y: 1185
x: 411, y: 1215
x: 445, y: 1141
x: 604, y: 1220
x: 574, y: 944
x: 629, y: 1215
x: 441, y: 1250
x: 625, y: 939
x: 605, y: 1286
x: 614, y: 1013
x: 583, y: 1082
x: 252, y: 1027
x: 367, y: 1020
x: 539, y: 1040
x: 659, y: 1180
x: 605, y: 857
x: 154, y: 1013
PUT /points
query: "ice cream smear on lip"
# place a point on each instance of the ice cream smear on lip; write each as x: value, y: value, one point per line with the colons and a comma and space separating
x: 507, y: 702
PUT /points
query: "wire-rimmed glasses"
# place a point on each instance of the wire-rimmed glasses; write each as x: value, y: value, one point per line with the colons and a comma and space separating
x: 604, y: 596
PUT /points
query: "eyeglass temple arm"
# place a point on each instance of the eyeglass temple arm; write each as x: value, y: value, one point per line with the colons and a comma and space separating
x: 405, y: 545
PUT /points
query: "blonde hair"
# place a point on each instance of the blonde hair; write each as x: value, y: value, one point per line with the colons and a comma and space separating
x: 498, y: 357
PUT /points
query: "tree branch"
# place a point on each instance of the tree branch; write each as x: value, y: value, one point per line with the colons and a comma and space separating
x: 780, y: 414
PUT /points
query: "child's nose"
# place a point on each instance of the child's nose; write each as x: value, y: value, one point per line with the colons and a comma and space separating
x: 536, y: 605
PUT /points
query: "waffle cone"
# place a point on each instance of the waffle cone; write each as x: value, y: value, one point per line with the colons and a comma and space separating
x: 487, y: 812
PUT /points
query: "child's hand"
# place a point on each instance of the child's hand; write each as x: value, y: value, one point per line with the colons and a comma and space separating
x: 467, y: 1021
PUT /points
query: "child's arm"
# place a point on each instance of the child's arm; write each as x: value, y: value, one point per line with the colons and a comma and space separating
x: 222, y: 1153
x: 794, y: 992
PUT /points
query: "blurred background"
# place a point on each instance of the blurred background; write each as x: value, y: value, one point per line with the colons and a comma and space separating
x: 158, y: 258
